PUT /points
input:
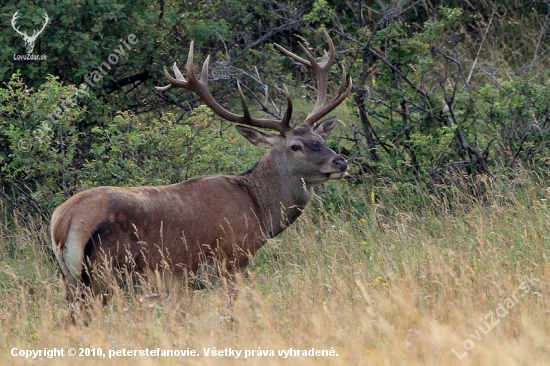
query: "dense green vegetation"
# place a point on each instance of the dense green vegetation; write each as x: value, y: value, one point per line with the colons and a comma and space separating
x: 449, y: 97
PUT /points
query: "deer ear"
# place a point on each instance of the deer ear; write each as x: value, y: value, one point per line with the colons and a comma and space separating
x: 323, y: 128
x: 257, y: 137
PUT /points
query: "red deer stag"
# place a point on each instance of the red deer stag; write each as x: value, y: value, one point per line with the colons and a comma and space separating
x: 208, y: 226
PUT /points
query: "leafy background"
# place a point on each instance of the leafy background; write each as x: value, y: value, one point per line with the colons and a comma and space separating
x: 448, y: 96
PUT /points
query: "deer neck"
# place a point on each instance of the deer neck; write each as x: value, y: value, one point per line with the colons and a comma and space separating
x: 280, y: 195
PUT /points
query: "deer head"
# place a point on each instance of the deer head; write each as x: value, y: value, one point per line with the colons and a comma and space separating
x: 29, y: 40
x: 302, y: 144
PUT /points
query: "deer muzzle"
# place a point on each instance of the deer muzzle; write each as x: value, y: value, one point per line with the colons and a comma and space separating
x: 340, y: 165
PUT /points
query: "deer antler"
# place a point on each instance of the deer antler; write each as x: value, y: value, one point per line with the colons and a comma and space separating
x: 13, y: 20
x: 36, y: 33
x: 24, y: 34
x: 321, y: 70
x: 200, y: 87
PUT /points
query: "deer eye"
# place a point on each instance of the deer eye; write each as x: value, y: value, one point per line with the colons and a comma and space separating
x: 295, y: 147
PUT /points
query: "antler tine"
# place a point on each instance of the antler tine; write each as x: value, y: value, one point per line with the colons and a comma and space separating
x: 338, y: 98
x: 293, y: 55
x: 246, y: 111
x: 200, y: 88
x: 177, y: 72
x: 46, y: 18
x: 189, y: 66
x: 13, y: 20
x: 288, y: 114
x: 321, y: 71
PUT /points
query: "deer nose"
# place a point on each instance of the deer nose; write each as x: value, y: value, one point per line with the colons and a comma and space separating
x: 340, y: 163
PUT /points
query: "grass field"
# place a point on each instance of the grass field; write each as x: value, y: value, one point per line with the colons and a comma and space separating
x: 379, y: 287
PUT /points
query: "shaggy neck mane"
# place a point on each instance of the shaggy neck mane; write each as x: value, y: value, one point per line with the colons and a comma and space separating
x: 281, y: 200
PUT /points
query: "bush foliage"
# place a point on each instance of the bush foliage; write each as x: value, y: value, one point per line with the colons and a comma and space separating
x: 446, y: 99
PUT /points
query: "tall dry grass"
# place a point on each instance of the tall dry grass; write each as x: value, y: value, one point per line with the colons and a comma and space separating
x: 379, y: 287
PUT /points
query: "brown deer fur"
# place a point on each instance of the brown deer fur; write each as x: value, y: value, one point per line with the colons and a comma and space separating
x: 218, y: 220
